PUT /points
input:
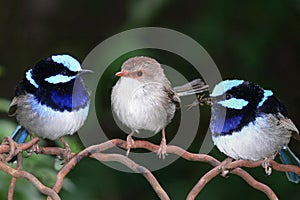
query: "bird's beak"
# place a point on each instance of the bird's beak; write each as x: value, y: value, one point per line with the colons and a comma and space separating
x: 84, y: 71
x: 122, y: 73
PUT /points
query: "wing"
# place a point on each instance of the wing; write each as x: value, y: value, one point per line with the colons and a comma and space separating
x: 274, y: 106
x: 283, y: 123
x: 22, y: 88
x: 288, y: 124
x: 172, y: 96
x: 13, y: 107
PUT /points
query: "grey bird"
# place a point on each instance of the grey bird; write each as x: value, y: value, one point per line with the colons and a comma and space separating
x: 144, y: 99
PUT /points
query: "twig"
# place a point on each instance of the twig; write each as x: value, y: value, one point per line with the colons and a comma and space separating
x: 13, y: 149
x: 202, y: 182
x: 95, y: 152
x: 76, y: 159
x: 32, y: 179
x: 14, y: 179
x: 276, y: 166
x: 254, y: 183
x: 136, y: 168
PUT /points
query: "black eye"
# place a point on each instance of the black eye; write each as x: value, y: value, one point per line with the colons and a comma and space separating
x: 228, y: 96
x: 64, y: 72
x: 139, y: 73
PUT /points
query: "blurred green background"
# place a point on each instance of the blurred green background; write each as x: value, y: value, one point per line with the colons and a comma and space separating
x: 254, y: 40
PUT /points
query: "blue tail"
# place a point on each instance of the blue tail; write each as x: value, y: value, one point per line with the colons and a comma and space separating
x: 288, y: 157
x: 19, y: 136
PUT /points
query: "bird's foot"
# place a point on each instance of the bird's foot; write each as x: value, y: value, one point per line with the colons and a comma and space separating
x: 68, y: 153
x: 67, y: 150
x: 224, y: 169
x: 267, y: 166
x: 34, y: 149
x: 130, y: 143
x: 162, y: 151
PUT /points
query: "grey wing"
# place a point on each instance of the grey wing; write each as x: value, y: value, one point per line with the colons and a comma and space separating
x: 286, y: 122
x: 283, y: 122
x: 13, y: 107
x: 172, y: 103
x: 172, y: 96
x: 291, y: 126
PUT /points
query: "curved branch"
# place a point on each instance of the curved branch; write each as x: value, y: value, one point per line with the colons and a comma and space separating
x: 276, y: 166
x: 32, y: 179
x: 254, y: 183
x: 95, y: 152
x: 14, y: 179
x: 202, y: 182
x: 136, y: 168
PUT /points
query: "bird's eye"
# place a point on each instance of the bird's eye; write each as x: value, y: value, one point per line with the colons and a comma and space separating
x: 64, y: 72
x: 228, y: 96
x: 139, y: 73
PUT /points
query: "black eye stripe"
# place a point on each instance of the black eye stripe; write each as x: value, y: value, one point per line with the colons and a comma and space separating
x: 67, y: 72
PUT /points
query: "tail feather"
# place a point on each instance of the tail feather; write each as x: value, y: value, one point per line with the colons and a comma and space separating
x: 288, y: 157
x: 19, y: 136
x: 193, y: 87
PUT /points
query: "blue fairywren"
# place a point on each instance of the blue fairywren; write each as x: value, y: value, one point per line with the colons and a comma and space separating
x: 52, y: 100
x: 250, y: 123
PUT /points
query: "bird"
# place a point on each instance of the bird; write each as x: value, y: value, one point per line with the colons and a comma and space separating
x: 51, y: 101
x: 143, y: 98
x: 250, y: 123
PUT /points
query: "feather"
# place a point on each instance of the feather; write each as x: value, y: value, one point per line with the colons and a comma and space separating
x: 288, y: 157
x: 13, y: 107
x: 193, y: 87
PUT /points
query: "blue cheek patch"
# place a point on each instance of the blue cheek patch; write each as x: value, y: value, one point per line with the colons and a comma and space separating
x: 59, y: 79
x: 234, y: 103
x: 68, y: 61
x: 267, y: 93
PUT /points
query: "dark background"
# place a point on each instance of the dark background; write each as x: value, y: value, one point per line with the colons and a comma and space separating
x: 257, y: 41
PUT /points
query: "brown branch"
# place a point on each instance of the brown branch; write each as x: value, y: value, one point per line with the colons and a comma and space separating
x: 136, y: 168
x: 170, y: 150
x: 276, y: 166
x: 94, y: 152
x: 76, y: 159
x: 14, y: 179
x: 32, y: 179
x: 254, y: 183
x: 9, y: 149
x: 202, y: 182
x: 4, y: 148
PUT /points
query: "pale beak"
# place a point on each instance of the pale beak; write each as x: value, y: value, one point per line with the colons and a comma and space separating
x: 121, y: 73
x: 84, y: 71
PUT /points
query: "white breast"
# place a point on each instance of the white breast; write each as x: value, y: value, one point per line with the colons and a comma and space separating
x: 140, y: 106
x: 259, y: 140
x: 47, y: 123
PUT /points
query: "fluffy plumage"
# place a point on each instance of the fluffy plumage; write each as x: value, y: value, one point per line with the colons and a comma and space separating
x: 144, y: 99
x: 249, y: 122
x: 52, y: 100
